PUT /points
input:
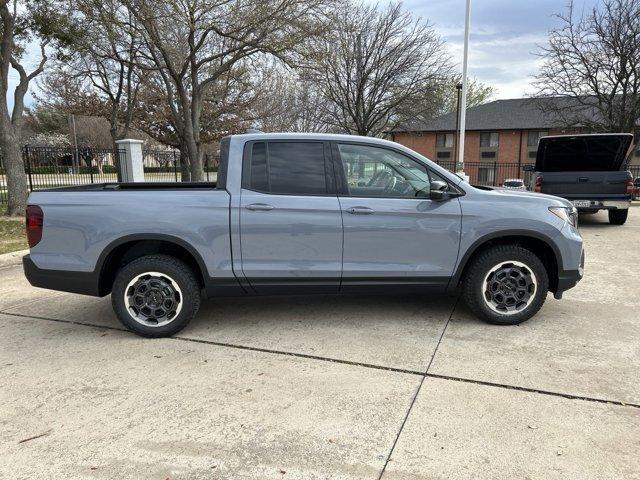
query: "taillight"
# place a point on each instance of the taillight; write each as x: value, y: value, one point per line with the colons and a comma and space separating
x: 537, y: 186
x: 35, y: 219
x: 629, y: 184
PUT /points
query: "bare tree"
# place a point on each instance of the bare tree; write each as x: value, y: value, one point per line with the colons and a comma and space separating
x: 438, y: 97
x: 106, y: 59
x: 99, y: 76
x: 287, y: 102
x: 593, y: 61
x: 191, y: 44
x: 46, y: 23
x: 372, y: 62
x: 226, y: 109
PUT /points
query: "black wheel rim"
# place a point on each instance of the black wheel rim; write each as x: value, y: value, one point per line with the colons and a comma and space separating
x: 153, y: 299
x: 509, y: 287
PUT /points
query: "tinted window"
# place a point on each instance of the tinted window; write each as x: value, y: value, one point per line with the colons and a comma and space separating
x: 379, y: 172
x: 288, y: 168
x: 259, y: 173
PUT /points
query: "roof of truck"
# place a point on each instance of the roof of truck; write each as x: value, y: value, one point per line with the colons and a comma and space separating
x: 313, y: 136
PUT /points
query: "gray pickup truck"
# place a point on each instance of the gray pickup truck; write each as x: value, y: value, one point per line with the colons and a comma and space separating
x: 589, y: 170
x: 298, y: 214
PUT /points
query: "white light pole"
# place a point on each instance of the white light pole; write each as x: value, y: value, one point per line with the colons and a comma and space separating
x: 463, y: 99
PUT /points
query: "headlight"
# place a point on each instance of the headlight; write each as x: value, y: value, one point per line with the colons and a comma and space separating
x: 568, y: 214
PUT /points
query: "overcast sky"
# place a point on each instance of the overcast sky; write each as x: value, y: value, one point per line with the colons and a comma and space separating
x: 504, y: 37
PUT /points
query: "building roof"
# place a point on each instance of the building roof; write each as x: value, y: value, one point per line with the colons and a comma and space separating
x: 511, y: 114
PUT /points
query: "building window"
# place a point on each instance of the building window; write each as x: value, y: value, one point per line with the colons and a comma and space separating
x: 533, y: 153
x: 489, y: 139
x: 533, y: 137
x: 488, y: 155
x: 444, y: 140
x: 443, y: 154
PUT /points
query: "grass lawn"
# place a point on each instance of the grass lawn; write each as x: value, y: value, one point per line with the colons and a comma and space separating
x: 12, y: 234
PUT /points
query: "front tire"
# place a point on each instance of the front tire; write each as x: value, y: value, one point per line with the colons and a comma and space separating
x: 155, y: 295
x: 505, y: 285
x: 618, y: 217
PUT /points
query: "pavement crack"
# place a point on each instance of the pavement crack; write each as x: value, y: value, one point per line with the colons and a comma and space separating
x: 423, y: 375
x: 569, y: 396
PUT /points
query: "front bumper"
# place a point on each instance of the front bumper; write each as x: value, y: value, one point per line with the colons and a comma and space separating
x: 85, y: 283
x: 569, y: 278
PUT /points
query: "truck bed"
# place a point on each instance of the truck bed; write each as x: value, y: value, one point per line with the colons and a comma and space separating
x: 100, y: 187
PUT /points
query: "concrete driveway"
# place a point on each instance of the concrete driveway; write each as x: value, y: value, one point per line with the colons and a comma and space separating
x: 330, y: 387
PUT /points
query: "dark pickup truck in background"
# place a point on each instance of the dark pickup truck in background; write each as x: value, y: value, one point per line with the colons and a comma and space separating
x: 588, y: 170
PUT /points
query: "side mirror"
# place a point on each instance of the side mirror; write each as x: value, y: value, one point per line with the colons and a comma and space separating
x: 528, y: 168
x: 438, y: 190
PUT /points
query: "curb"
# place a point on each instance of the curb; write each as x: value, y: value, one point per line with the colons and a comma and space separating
x: 12, y: 258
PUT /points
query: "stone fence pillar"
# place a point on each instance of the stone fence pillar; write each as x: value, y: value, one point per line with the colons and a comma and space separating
x: 131, y: 166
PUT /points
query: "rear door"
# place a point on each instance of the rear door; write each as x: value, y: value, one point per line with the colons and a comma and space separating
x: 584, y: 165
x: 290, y: 222
x: 393, y: 232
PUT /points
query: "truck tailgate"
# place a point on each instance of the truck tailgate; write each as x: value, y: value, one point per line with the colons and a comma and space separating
x: 585, y: 184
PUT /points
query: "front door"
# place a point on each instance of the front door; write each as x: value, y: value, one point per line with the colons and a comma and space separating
x: 393, y: 232
x: 290, y: 222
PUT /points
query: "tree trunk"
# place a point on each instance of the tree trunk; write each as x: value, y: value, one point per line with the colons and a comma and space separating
x: 192, y: 150
x: 16, y: 176
x: 185, y: 171
x: 197, y: 168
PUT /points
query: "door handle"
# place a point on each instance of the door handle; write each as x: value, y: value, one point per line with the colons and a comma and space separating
x: 259, y: 207
x: 360, y: 210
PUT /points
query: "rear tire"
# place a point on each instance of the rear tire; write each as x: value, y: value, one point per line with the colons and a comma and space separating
x: 505, y: 285
x: 618, y: 217
x: 155, y: 295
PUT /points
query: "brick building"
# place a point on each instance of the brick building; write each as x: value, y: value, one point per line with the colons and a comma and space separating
x: 501, y: 137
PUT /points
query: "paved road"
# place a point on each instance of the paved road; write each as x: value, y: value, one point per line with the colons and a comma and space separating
x: 330, y: 388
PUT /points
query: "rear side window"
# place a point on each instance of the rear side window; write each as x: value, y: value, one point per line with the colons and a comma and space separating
x: 294, y: 168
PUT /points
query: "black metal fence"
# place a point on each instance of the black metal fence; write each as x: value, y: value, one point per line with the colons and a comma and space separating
x: 165, y: 166
x: 48, y: 167
x: 491, y: 173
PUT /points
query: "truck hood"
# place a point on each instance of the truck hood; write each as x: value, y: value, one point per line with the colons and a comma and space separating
x: 583, y: 153
x: 519, y: 195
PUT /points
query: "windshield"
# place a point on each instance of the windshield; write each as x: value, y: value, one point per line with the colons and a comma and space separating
x: 513, y: 183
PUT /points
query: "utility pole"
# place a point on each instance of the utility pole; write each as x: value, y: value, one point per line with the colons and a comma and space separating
x: 455, y: 150
x: 463, y: 96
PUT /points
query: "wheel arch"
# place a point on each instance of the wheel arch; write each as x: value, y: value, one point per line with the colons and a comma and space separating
x: 126, y: 249
x: 536, y: 242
